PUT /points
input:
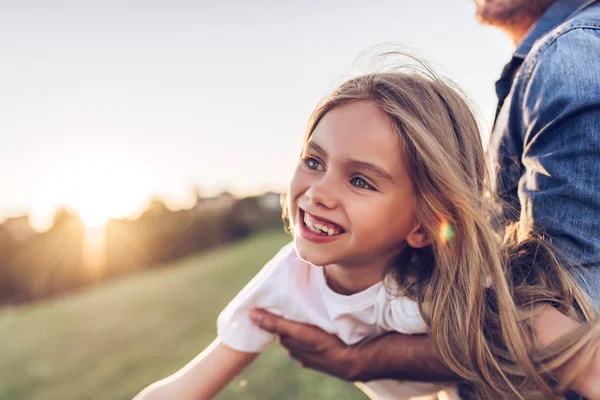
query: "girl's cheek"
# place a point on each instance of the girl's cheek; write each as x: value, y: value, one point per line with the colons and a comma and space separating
x: 300, y: 182
x: 370, y: 212
x: 293, y: 188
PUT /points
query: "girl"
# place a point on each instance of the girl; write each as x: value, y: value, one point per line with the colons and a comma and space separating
x: 388, y: 216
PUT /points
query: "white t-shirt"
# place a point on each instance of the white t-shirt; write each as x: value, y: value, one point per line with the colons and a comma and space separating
x: 291, y: 287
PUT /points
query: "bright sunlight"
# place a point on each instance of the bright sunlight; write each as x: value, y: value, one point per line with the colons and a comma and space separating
x: 105, y: 190
x: 98, y: 189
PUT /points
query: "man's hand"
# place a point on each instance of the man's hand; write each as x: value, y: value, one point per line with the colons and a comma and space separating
x: 311, y: 346
x: 391, y: 356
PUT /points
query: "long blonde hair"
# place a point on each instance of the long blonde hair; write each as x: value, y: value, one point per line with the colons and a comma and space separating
x: 477, y: 295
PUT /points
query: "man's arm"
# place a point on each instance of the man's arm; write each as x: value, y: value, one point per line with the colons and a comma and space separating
x: 550, y: 325
x: 391, y: 356
x: 559, y: 191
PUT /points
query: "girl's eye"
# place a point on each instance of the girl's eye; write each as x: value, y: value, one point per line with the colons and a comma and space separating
x: 360, y: 183
x: 313, y: 164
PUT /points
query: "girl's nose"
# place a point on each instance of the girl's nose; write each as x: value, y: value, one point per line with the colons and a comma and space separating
x: 322, y: 193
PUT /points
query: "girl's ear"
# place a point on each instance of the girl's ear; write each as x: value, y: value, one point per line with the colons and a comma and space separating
x: 418, y: 238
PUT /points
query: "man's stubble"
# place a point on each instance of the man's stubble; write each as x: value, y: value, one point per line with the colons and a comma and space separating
x: 507, y: 14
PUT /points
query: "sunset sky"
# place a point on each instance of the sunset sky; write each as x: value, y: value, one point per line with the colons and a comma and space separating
x: 105, y: 104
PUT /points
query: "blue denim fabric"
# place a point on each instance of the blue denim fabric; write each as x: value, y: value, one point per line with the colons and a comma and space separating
x: 546, y: 138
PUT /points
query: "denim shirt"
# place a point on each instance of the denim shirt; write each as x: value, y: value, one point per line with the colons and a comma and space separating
x: 546, y: 139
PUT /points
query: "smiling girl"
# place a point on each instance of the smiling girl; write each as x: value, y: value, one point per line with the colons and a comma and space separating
x: 388, y: 217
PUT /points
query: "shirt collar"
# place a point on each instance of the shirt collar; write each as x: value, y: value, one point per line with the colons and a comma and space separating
x: 553, y: 17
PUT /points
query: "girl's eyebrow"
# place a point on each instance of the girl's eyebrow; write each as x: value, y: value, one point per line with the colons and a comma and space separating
x: 370, y: 167
x: 312, y: 145
x: 354, y: 163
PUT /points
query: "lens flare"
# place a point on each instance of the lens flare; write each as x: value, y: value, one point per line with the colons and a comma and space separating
x: 446, y: 232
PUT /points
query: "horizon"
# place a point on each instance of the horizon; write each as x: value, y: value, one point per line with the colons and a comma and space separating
x: 92, y: 221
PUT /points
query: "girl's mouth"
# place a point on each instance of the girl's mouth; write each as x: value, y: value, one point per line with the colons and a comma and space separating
x: 319, y: 225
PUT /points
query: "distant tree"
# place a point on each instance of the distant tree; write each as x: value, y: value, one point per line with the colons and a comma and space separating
x: 59, y: 260
x: 64, y: 215
x: 9, y: 289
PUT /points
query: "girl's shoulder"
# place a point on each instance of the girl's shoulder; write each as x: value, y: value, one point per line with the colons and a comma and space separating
x: 399, y: 313
x: 285, y: 262
x: 287, y: 254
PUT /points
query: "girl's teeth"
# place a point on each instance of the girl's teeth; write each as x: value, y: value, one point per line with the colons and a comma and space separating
x: 315, y: 229
x: 318, y: 228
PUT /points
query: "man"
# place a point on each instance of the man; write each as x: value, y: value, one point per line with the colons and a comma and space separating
x: 546, y: 147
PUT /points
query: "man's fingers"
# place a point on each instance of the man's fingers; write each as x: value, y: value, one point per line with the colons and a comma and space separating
x: 293, y: 345
x: 273, y: 323
x: 303, y: 334
x: 307, y: 360
x: 311, y: 346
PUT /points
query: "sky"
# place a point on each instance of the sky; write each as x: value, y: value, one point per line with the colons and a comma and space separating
x: 107, y: 104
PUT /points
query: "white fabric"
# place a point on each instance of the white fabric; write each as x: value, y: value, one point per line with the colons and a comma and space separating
x: 297, y: 290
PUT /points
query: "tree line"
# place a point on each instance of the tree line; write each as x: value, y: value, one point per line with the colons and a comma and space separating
x: 70, y: 256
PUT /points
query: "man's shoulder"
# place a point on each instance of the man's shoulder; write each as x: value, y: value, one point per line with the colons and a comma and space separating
x: 579, y: 34
x: 588, y: 18
x: 589, y: 15
x: 569, y: 51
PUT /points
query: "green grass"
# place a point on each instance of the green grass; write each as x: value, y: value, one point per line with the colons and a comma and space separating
x: 111, y: 341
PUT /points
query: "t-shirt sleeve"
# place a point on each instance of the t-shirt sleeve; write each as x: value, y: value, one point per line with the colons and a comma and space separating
x: 234, y: 326
x: 400, y: 314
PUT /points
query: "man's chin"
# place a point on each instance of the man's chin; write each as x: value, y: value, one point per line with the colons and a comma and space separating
x: 487, y: 16
x: 504, y: 13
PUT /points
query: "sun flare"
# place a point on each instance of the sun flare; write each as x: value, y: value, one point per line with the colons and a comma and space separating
x: 100, y: 189
x: 93, y: 216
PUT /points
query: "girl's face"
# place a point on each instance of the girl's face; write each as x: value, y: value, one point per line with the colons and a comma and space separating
x: 352, y: 181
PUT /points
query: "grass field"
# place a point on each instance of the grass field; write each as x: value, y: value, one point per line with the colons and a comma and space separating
x: 111, y: 341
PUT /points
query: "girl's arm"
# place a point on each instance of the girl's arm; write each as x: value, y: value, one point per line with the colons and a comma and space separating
x: 203, y: 377
x: 550, y: 324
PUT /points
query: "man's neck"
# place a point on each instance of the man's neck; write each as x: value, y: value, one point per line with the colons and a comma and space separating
x: 518, y: 28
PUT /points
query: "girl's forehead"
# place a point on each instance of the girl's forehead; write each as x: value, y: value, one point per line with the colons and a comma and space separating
x: 359, y: 127
x: 358, y: 131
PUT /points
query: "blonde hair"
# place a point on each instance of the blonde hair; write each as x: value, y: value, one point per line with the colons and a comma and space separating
x: 477, y: 296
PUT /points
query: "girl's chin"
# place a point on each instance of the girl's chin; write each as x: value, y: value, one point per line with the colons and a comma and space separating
x: 311, y: 255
